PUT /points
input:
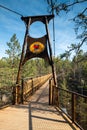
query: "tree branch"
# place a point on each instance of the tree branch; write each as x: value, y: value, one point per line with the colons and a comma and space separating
x: 77, y: 2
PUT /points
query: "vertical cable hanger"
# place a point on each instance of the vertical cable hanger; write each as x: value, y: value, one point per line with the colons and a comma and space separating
x: 52, y: 10
x: 52, y: 6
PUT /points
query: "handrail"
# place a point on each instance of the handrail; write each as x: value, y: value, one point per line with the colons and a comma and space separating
x: 73, y: 104
x: 7, y: 93
x: 75, y: 107
x: 32, y: 76
x: 73, y: 92
x: 31, y: 85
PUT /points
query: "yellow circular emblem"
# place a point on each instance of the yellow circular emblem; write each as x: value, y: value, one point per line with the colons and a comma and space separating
x: 37, y: 47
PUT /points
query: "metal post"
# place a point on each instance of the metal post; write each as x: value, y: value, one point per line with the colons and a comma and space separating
x: 73, y: 107
x: 53, y: 94
x: 32, y: 85
x: 17, y: 98
x: 50, y: 50
x: 22, y: 88
x: 52, y: 6
x: 50, y: 92
x: 13, y: 93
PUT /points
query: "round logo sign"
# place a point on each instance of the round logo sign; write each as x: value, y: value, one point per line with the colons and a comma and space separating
x: 37, y: 47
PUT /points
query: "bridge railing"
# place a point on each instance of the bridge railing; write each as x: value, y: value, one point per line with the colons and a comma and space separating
x: 30, y: 85
x: 27, y: 87
x: 73, y: 104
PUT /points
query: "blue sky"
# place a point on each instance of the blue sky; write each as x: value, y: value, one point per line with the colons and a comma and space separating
x: 11, y: 23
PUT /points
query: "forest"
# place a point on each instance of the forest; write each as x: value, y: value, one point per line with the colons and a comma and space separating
x: 71, y: 74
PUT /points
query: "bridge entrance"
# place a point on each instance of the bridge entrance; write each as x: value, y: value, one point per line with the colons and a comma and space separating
x: 34, y: 47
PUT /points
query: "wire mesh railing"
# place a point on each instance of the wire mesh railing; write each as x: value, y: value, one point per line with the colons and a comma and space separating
x: 27, y: 87
x: 73, y: 104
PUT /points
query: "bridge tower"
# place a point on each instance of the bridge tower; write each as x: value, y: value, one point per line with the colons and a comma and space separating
x: 34, y: 47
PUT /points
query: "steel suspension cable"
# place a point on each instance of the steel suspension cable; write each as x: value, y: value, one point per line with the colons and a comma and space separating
x: 1, y: 6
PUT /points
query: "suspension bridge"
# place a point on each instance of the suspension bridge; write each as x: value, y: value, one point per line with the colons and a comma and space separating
x: 41, y: 107
x: 39, y: 103
x: 36, y: 112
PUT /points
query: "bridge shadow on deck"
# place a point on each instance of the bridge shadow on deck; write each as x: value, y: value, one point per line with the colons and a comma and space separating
x: 42, y: 116
x: 45, y: 117
x: 39, y: 111
x: 35, y: 114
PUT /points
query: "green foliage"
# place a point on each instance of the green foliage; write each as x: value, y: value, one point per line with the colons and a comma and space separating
x: 71, y: 74
x: 13, y: 50
x: 35, y: 67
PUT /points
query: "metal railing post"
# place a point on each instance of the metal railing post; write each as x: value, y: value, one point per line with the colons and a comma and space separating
x: 32, y: 85
x: 50, y: 94
x: 14, y: 95
x: 22, y: 88
x: 17, y: 100
x: 73, y: 107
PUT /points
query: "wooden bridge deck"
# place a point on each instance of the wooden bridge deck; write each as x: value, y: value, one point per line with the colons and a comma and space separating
x: 35, y: 115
